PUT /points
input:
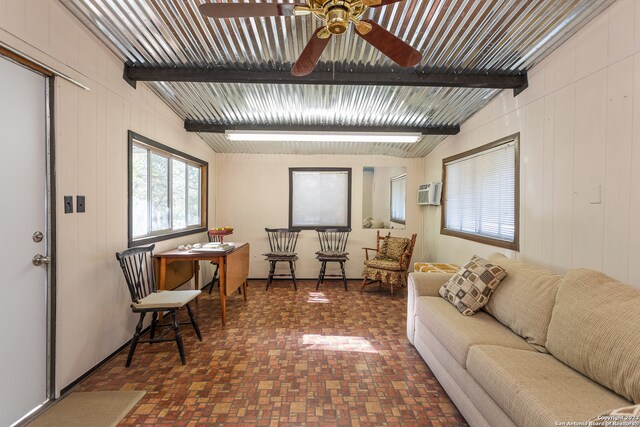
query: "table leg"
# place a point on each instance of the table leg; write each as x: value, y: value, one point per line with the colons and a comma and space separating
x: 223, y: 286
x: 163, y: 274
x: 196, y: 272
x: 244, y: 290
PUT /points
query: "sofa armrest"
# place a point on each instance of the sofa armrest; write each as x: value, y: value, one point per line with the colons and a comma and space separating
x: 427, y: 284
x: 421, y: 285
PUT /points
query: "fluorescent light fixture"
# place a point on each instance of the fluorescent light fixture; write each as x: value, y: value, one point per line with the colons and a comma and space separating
x: 287, y: 136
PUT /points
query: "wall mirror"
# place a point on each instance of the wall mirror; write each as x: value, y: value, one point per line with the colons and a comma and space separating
x: 384, y: 195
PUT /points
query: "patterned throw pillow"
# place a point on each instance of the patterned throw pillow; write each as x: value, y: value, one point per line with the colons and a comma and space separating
x: 470, y: 288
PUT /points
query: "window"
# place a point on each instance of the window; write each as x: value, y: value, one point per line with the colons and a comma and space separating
x: 398, y: 197
x: 319, y: 197
x: 167, y: 192
x: 481, y: 194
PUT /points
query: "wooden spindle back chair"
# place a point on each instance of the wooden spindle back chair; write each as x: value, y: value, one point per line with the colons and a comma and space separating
x: 282, y: 245
x: 139, y: 273
x: 333, y: 248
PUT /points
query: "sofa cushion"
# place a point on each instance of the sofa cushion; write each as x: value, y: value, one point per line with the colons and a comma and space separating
x: 473, y: 402
x: 458, y: 333
x: 524, y: 300
x: 535, y: 389
x: 594, y: 329
x: 471, y: 287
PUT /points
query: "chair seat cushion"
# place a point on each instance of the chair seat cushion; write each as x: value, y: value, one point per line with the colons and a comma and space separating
x: 166, y: 299
x: 281, y: 256
x: 536, y: 389
x: 332, y: 253
x: 384, y: 264
x: 458, y: 333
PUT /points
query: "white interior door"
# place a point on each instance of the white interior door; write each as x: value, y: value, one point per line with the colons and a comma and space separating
x: 23, y: 212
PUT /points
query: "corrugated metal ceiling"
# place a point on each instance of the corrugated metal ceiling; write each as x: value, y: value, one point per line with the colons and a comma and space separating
x: 455, y: 36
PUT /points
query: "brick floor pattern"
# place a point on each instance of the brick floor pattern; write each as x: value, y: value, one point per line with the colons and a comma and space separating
x: 298, y: 358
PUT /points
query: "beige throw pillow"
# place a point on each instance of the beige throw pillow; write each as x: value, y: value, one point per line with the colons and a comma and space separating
x: 470, y: 288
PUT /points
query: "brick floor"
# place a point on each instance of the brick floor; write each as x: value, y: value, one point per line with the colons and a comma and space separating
x: 286, y: 358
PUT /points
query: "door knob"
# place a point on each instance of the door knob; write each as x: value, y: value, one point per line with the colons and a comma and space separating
x: 38, y: 260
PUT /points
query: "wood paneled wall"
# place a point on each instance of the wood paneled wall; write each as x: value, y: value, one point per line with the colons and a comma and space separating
x: 579, y: 122
x: 253, y: 193
x: 93, y: 314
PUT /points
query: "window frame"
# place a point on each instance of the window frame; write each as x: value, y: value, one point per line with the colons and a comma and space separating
x: 170, y: 153
x: 391, y: 218
x: 515, y: 244
x: 320, y: 169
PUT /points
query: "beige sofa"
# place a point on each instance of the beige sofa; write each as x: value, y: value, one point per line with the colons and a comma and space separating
x: 546, y: 348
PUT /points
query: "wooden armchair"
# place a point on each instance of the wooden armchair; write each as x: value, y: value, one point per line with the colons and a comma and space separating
x: 391, y: 262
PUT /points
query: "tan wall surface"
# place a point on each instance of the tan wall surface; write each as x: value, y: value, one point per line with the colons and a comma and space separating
x: 253, y: 193
x: 579, y: 122
x: 93, y: 314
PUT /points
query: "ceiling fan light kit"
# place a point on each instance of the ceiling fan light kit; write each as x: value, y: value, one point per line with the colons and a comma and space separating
x: 336, y: 16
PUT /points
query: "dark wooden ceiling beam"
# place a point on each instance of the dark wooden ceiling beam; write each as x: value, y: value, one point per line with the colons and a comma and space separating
x: 214, y: 75
x: 196, y: 126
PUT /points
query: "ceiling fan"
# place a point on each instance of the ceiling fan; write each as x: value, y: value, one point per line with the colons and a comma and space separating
x: 336, y: 15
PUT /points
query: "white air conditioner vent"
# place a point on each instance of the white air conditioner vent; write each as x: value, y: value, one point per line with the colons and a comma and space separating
x: 429, y: 194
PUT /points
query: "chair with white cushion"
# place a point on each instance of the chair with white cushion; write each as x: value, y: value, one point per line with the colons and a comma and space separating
x: 138, y: 268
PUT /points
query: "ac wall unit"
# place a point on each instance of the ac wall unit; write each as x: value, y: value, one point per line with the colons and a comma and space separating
x: 429, y: 194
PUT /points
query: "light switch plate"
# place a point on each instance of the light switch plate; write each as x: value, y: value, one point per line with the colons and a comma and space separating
x: 68, y: 204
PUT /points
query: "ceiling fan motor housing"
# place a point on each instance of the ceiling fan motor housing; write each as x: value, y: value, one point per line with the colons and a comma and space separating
x: 337, y: 14
x: 337, y: 19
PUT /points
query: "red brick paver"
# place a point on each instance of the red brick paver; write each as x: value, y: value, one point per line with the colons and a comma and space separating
x: 286, y: 358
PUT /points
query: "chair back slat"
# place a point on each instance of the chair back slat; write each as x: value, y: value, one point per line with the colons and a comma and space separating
x: 333, y: 239
x: 139, y: 272
x: 282, y: 239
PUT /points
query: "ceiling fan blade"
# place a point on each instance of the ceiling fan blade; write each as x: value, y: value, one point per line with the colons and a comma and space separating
x: 311, y: 53
x: 379, y: 3
x: 247, y: 10
x: 393, y: 47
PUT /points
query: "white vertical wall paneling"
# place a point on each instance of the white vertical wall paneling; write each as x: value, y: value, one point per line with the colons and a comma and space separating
x: 548, y: 170
x: 64, y: 35
x: 3, y: 7
x: 592, y: 47
x: 532, y: 183
x: 38, y: 21
x: 618, y: 168
x: 634, y: 201
x: 589, y: 136
x: 67, y: 229
x: 93, y: 304
x: 621, y: 29
x: 589, y: 167
x: 15, y: 18
x: 253, y: 193
x: 563, y: 177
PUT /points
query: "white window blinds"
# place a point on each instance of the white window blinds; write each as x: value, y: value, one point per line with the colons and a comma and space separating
x: 398, y: 197
x: 480, y: 193
x: 320, y: 198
